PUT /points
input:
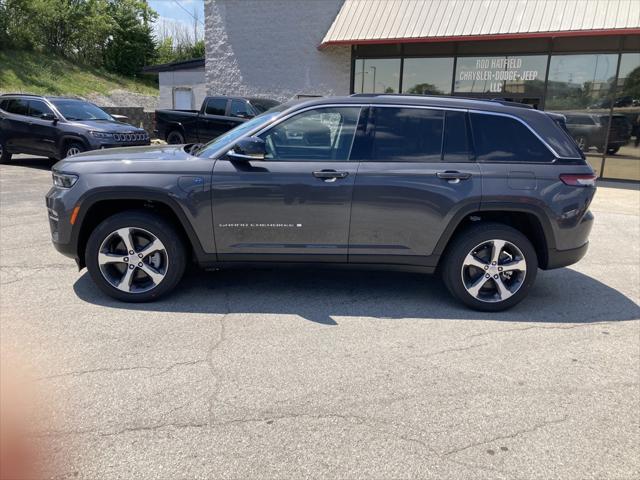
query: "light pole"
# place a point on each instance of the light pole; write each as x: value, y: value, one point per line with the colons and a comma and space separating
x: 374, y: 79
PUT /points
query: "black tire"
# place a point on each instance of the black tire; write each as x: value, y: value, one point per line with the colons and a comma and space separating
x: 175, y: 137
x: 465, y: 242
x: 5, y: 156
x: 157, y: 226
x: 612, y: 150
x: 72, y: 148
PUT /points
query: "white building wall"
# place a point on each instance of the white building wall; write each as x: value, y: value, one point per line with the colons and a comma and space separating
x: 193, y: 79
x: 269, y: 48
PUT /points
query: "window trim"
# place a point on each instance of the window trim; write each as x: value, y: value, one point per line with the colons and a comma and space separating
x: 370, y: 105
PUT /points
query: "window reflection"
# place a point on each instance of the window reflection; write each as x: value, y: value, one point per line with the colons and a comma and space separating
x: 581, y: 87
x: 427, y: 76
x: 377, y: 75
x: 623, y: 161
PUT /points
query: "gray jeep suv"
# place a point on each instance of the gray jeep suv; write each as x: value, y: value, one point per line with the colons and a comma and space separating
x: 483, y: 192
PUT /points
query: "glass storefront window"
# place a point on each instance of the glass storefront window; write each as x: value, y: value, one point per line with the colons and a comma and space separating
x: 377, y: 75
x: 623, y: 154
x: 511, y: 76
x: 581, y: 87
x: 427, y: 76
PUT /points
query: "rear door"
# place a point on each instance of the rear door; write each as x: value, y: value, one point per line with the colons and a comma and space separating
x: 213, y: 122
x: 295, y: 204
x: 416, y: 175
x: 15, y: 126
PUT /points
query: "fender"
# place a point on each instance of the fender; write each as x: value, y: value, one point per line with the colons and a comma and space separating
x: 464, y: 212
x: 66, y: 137
x: 128, y: 193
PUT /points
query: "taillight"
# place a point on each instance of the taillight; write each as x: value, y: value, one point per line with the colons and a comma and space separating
x: 579, y: 179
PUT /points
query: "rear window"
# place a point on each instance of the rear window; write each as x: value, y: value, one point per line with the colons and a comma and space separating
x: 216, y: 106
x: 17, y: 106
x: 407, y: 135
x: 504, y: 139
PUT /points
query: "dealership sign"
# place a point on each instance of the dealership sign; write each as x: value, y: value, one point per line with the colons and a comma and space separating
x: 496, y: 71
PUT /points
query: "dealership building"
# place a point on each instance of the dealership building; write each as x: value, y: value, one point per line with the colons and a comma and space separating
x: 577, y: 57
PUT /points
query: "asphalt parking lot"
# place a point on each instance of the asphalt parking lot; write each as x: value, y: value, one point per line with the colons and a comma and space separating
x: 328, y: 374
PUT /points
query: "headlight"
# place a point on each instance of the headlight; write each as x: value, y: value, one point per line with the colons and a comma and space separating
x: 102, y: 134
x: 64, y: 180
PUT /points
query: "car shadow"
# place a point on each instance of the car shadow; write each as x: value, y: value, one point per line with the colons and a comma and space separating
x: 559, y: 296
x: 38, y: 163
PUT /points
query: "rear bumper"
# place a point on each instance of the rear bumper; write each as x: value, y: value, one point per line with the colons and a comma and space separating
x: 562, y: 258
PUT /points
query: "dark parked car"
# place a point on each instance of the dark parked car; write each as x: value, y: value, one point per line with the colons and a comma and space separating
x: 58, y: 127
x: 216, y: 116
x: 590, y: 129
x: 482, y: 192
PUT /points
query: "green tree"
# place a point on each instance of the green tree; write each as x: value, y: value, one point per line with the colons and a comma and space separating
x: 131, y: 45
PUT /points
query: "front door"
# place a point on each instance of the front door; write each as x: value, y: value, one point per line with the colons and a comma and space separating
x: 43, y: 132
x: 416, y: 175
x: 295, y: 204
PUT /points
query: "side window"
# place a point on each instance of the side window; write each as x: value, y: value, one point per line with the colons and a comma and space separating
x: 323, y: 134
x: 17, y: 106
x: 240, y: 108
x: 4, y: 104
x: 407, y: 135
x: 216, y: 106
x: 455, y: 146
x: 37, y: 108
x: 504, y: 139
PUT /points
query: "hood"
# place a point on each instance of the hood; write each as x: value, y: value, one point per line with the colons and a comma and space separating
x: 106, y: 126
x: 131, y: 154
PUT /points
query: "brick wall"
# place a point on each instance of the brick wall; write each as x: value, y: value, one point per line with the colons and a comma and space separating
x: 136, y: 116
x: 269, y: 48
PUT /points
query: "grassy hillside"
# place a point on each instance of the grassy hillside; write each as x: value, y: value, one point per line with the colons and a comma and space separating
x: 39, y: 73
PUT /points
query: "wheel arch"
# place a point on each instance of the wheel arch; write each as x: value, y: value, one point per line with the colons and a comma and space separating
x: 529, y: 220
x: 101, y: 205
x: 67, y: 139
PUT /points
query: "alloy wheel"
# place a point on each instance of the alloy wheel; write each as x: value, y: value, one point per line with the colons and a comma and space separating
x: 582, y: 143
x: 133, y: 260
x: 73, y: 151
x: 493, y: 271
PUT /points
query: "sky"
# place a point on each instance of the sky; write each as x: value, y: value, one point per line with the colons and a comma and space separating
x: 169, y: 11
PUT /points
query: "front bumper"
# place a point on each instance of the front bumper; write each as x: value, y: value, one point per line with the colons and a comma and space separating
x: 60, y: 204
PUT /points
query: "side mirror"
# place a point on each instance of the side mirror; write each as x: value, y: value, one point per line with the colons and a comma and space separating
x: 48, y: 116
x: 249, y: 148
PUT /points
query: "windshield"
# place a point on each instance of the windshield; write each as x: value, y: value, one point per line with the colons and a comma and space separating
x: 210, y: 148
x: 263, y: 104
x: 79, y: 110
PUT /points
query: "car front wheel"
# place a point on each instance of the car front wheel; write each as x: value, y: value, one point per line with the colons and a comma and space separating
x: 135, y: 256
x: 490, y: 267
x: 175, y: 138
x: 73, y: 148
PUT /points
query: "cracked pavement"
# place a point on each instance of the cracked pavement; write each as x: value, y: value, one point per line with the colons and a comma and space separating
x: 343, y: 374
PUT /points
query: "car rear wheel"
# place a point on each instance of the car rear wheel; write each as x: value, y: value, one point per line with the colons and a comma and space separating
x: 135, y: 256
x: 72, y: 148
x: 612, y: 150
x: 5, y: 156
x: 490, y: 267
x: 175, y: 138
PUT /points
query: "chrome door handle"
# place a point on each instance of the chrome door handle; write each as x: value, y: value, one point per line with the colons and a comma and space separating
x: 453, y: 177
x: 329, y: 175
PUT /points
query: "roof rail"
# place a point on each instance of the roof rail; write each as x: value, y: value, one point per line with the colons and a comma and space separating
x: 501, y: 101
x: 23, y: 94
x: 509, y: 103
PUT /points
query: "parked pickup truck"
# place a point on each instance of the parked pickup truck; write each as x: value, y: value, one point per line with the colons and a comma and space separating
x: 216, y: 116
